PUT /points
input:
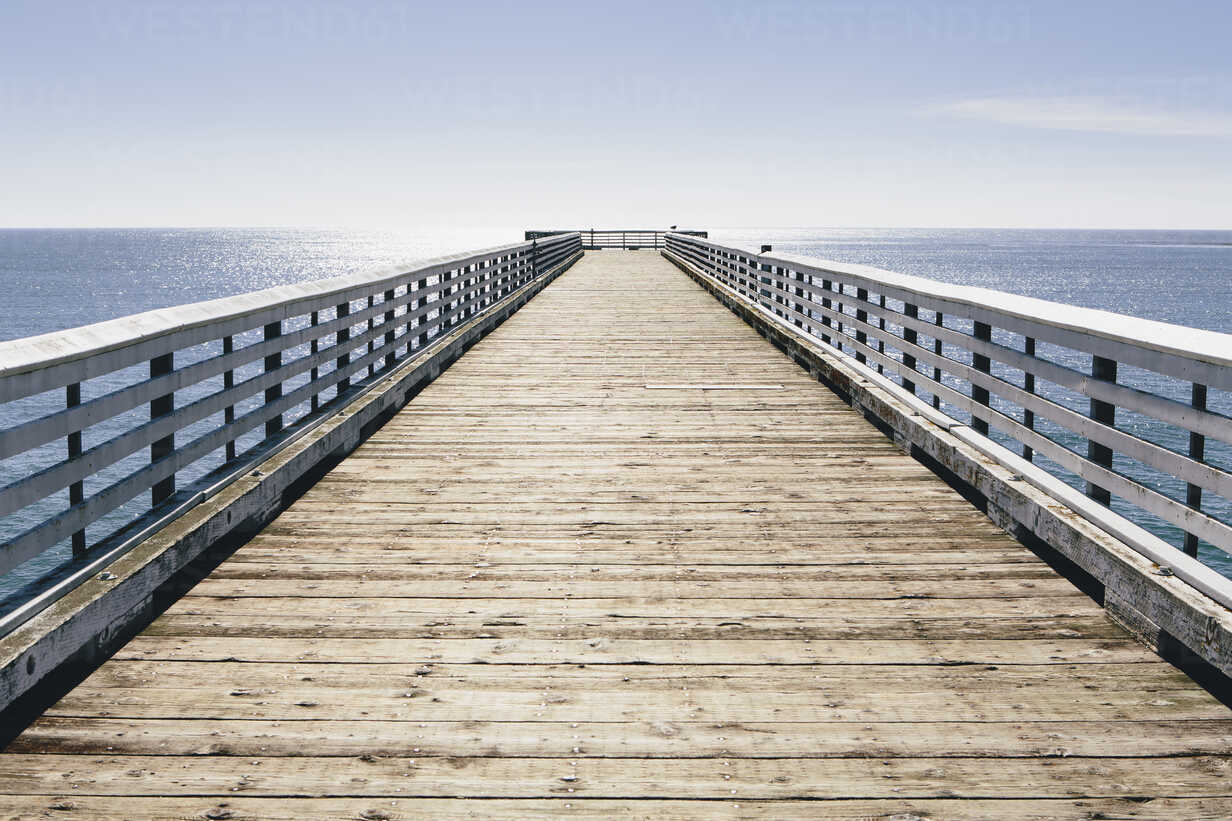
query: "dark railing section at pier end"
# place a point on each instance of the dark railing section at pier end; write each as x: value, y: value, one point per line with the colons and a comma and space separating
x: 594, y: 239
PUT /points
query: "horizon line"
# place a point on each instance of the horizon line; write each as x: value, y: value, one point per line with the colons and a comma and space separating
x: 431, y: 228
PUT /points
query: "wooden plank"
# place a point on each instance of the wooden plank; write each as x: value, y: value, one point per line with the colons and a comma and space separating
x: 281, y: 625
x: 277, y: 553
x: 815, y: 516
x: 786, y: 778
x: 670, y: 608
x: 616, y: 739
x: 238, y: 805
x: 1153, y: 676
x: 608, y: 493
x: 582, y: 587
x: 653, y: 701
x: 602, y: 650
x: 636, y: 573
x: 446, y: 528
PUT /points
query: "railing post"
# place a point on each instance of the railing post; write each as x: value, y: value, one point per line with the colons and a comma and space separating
x: 1028, y: 385
x: 983, y: 332
x: 444, y: 308
x: 912, y: 336
x: 422, y: 302
x: 340, y: 340
x: 838, y: 338
x: 938, y: 321
x: 861, y: 316
x: 800, y: 296
x: 314, y: 348
x: 1197, y: 452
x: 371, y: 340
x: 1104, y: 370
x: 408, y: 323
x: 881, y: 338
x: 273, y: 362
x: 766, y: 280
x: 826, y: 303
x: 809, y: 327
x: 76, y: 491
x: 389, y: 323
x: 228, y: 382
x: 162, y: 448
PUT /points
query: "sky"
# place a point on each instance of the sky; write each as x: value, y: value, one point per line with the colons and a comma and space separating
x: 633, y: 114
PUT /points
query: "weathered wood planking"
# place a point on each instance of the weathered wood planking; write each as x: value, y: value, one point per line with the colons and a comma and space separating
x: 548, y: 590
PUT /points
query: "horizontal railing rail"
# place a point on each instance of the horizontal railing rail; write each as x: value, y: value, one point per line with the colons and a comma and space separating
x: 595, y: 239
x: 1133, y: 411
x: 92, y: 418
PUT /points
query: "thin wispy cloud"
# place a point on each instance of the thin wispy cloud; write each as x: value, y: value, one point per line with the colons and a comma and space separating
x: 1090, y: 114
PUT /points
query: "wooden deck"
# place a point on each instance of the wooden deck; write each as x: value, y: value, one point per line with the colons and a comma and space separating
x: 566, y: 581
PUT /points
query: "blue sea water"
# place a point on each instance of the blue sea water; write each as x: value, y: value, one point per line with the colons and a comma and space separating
x: 55, y: 279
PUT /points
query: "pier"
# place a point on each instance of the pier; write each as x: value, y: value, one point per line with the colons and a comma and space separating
x: 674, y: 532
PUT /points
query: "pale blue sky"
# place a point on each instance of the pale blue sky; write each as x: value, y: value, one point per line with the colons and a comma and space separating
x: 391, y: 114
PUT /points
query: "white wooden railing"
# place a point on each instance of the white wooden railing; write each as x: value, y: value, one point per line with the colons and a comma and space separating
x: 1038, y: 375
x: 93, y: 418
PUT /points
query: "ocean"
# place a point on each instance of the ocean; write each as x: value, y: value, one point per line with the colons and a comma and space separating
x: 55, y: 279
